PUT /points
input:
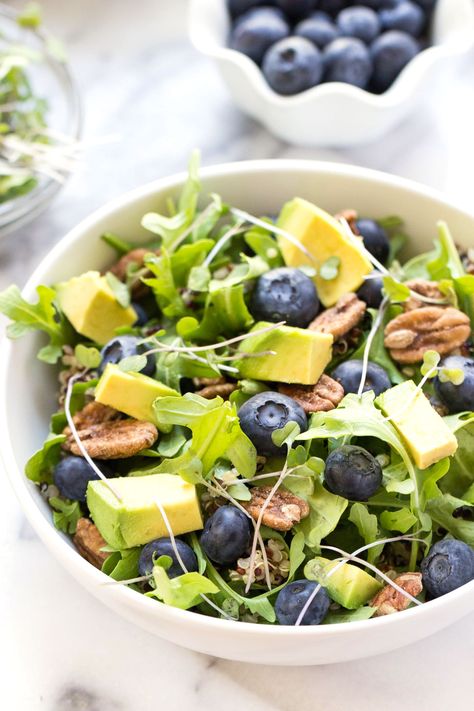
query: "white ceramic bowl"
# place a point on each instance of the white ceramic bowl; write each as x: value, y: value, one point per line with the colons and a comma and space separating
x: 28, y: 387
x: 333, y: 114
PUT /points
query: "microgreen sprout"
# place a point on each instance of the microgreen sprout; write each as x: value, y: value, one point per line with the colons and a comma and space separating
x: 368, y: 345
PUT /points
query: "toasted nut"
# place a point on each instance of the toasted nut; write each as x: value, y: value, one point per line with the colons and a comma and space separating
x: 283, y: 511
x: 322, y: 397
x: 339, y: 319
x: 113, y: 440
x: 350, y: 216
x: 89, y: 542
x: 94, y: 413
x: 222, y: 390
x: 409, y: 335
x: 428, y: 289
x: 120, y: 269
x: 389, y: 600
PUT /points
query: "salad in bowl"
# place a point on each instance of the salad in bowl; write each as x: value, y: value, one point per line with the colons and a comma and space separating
x: 263, y: 419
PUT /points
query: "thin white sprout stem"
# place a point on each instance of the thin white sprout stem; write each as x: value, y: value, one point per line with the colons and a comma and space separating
x: 82, y: 449
x: 189, y: 353
x: 352, y: 556
x: 222, y: 344
x: 270, y: 227
x: 222, y: 491
x: 222, y: 241
x: 357, y: 242
x: 196, y: 223
x: 259, y: 523
x: 370, y: 338
x: 130, y: 581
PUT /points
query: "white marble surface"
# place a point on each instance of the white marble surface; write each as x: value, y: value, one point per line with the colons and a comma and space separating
x: 61, y: 650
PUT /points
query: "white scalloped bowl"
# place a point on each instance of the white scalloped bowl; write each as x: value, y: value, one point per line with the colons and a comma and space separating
x: 333, y: 114
x: 28, y: 387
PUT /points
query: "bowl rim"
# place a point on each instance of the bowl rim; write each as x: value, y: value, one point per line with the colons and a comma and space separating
x: 395, y: 94
x: 92, y: 578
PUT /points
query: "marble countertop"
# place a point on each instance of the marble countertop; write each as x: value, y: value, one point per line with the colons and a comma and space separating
x: 60, y: 649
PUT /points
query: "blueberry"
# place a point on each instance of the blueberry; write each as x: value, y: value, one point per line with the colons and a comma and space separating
x: 292, y: 65
x: 263, y: 12
x: 255, y: 32
x: 375, y: 238
x: 390, y: 53
x: 163, y: 546
x: 379, y: 4
x: 349, y: 373
x: 371, y: 290
x: 427, y: 5
x: 457, y: 398
x: 318, y: 29
x: 352, y: 472
x: 296, y: 9
x: 347, y: 59
x: 448, y: 565
x: 238, y: 7
x: 266, y: 412
x: 142, y: 316
x: 72, y: 474
x: 292, y: 599
x: 360, y: 22
x: 406, y: 16
x: 123, y: 347
x: 227, y: 535
x: 285, y: 294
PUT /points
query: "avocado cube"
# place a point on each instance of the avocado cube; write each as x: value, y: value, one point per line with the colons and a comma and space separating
x: 425, y: 433
x: 349, y: 586
x: 131, y: 393
x: 136, y: 519
x: 90, y: 305
x: 300, y: 356
x: 323, y: 237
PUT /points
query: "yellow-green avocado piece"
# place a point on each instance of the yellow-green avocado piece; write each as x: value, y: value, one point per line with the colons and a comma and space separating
x: 131, y: 393
x: 300, y: 355
x: 349, y: 586
x: 136, y: 519
x: 90, y: 305
x: 425, y: 433
x: 323, y: 236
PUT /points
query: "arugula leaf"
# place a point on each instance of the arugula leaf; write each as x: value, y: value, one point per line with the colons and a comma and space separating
x: 133, y: 364
x: 395, y: 290
x: 120, y: 245
x: 39, y: 467
x: 428, y: 480
x: 368, y: 528
x: 122, y: 565
x: 188, y: 258
x: 265, y: 246
x: 225, y: 313
x: 170, y: 228
x: 184, y: 591
x: 87, y: 357
x: 249, y: 268
x: 199, y: 278
x: 66, y: 514
x: 184, y: 410
x: 400, y: 520
x: 171, y: 443
x: 340, y: 616
x: 120, y: 290
x: 446, y: 263
x: 163, y: 285
x: 461, y: 465
x: 41, y: 316
x: 326, y: 510
x: 443, y: 512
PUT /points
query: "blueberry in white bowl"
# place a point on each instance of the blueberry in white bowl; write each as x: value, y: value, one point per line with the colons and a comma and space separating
x: 285, y: 294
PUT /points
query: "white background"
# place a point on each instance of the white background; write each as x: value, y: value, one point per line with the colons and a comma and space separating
x: 61, y: 650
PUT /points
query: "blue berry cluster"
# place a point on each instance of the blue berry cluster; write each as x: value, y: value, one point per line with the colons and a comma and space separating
x: 302, y: 43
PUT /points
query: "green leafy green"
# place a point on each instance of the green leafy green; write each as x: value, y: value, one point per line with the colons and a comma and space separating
x: 340, y: 616
x: 87, y: 357
x: 40, y: 466
x: 395, y: 290
x: 120, y: 245
x: 326, y: 510
x: 66, y: 514
x: 121, y: 290
x: 443, y: 511
x: 163, y: 285
x: 225, y: 314
x: 184, y: 591
x: 265, y: 246
x: 461, y: 465
x: 400, y: 520
x: 249, y: 268
x: 368, y: 528
x: 122, y: 565
x: 42, y: 316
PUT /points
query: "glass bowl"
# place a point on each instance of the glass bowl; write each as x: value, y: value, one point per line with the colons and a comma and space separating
x: 51, y: 79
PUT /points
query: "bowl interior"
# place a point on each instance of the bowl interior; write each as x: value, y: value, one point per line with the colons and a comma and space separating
x: 260, y: 188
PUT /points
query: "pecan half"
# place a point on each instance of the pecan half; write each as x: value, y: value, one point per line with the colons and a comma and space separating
x: 89, y: 542
x: 120, y: 269
x: 428, y: 289
x: 389, y: 600
x: 409, y: 335
x: 341, y: 318
x: 350, y: 216
x: 283, y: 511
x: 94, y: 413
x: 222, y: 390
x: 322, y: 397
x: 113, y: 440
